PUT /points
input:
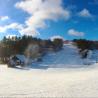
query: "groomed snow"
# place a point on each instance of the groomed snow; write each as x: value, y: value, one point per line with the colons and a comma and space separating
x: 67, y: 57
x: 58, y: 82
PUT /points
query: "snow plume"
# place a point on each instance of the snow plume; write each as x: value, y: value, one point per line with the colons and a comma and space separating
x: 39, y: 11
x: 31, y: 53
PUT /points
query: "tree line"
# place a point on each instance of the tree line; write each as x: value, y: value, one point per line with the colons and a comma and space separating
x: 18, y: 45
x: 85, y: 46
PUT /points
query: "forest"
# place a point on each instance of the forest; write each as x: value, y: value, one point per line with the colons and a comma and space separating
x: 20, y: 45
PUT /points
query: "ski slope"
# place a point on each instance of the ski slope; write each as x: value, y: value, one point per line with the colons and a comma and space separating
x: 68, y: 57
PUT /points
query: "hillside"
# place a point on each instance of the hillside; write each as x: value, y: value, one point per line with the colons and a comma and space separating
x: 68, y: 57
x: 65, y: 75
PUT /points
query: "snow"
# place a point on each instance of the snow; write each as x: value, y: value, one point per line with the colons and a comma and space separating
x: 53, y: 82
x: 95, y: 55
x: 68, y: 57
x: 61, y: 74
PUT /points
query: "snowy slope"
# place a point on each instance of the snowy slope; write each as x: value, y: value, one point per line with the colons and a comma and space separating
x: 68, y: 57
x: 73, y: 83
x: 94, y: 56
x: 60, y: 79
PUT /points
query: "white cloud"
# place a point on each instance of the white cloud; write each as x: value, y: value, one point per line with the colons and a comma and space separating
x: 3, y: 18
x: 41, y: 10
x: 11, y: 26
x: 85, y: 13
x: 2, y: 29
x: 76, y: 33
x: 29, y: 31
x: 20, y: 28
x: 56, y: 36
x: 15, y: 26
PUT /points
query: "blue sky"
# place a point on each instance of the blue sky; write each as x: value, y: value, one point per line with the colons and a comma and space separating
x: 49, y: 18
